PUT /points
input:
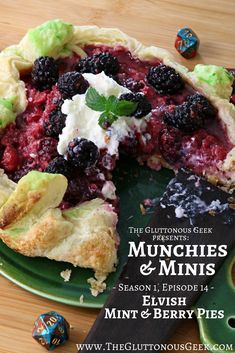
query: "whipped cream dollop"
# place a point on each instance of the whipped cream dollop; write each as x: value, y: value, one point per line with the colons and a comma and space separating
x: 81, y: 121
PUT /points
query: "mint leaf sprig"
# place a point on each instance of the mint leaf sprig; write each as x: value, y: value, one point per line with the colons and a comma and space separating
x: 111, y: 108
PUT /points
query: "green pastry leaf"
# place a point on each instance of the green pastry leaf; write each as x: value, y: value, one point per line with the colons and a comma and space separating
x: 7, y: 115
x: 49, y: 39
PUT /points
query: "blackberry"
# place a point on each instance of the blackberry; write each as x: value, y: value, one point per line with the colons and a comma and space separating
x: 130, y: 146
x: 232, y: 71
x: 47, y: 148
x: 54, y: 125
x: 72, y: 83
x: 202, y: 105
x: 99, y: 62
x: 190, y: 116
x: 131, y: 84
x: 82, y: 153
x: 78, y: 190
x: 143, y: 107
x: 59, y: 165
x: 170, y: 141
x: 164, y: 79
x: 45, y: 73
x: 19, y: 173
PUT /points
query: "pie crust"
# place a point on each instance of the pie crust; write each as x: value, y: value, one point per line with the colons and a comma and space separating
x: 99, y: 250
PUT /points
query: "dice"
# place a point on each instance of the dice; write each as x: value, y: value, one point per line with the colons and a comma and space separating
x: 51, y: 330
x: 187, y: 42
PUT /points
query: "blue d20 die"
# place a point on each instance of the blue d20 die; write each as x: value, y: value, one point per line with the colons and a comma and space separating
x: 187, y: 42
x: 51, y: 330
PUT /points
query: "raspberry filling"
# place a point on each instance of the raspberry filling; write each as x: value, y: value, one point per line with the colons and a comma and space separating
x: 25, y: 145
x: 200, y: 151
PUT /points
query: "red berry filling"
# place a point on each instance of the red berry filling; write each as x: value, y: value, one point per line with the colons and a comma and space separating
x: 25, y: 145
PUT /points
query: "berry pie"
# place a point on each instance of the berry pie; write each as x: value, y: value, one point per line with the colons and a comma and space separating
x: 72, y: 99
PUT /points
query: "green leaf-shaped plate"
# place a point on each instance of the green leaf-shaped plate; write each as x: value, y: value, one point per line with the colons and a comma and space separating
x: 42, y: 276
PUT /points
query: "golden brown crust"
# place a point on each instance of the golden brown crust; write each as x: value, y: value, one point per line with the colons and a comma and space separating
x: 31, y: 196
x: 6, y: 187
x: 40, y: 237
x: 98, y: 252
x: 63, y: 237
x: 14, y: 211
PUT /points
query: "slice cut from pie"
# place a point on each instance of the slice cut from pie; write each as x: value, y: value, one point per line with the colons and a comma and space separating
x: 32, y: 223
x: 74, y: 98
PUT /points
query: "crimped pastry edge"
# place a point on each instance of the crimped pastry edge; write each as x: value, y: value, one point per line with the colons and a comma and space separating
x: 53, y: 235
